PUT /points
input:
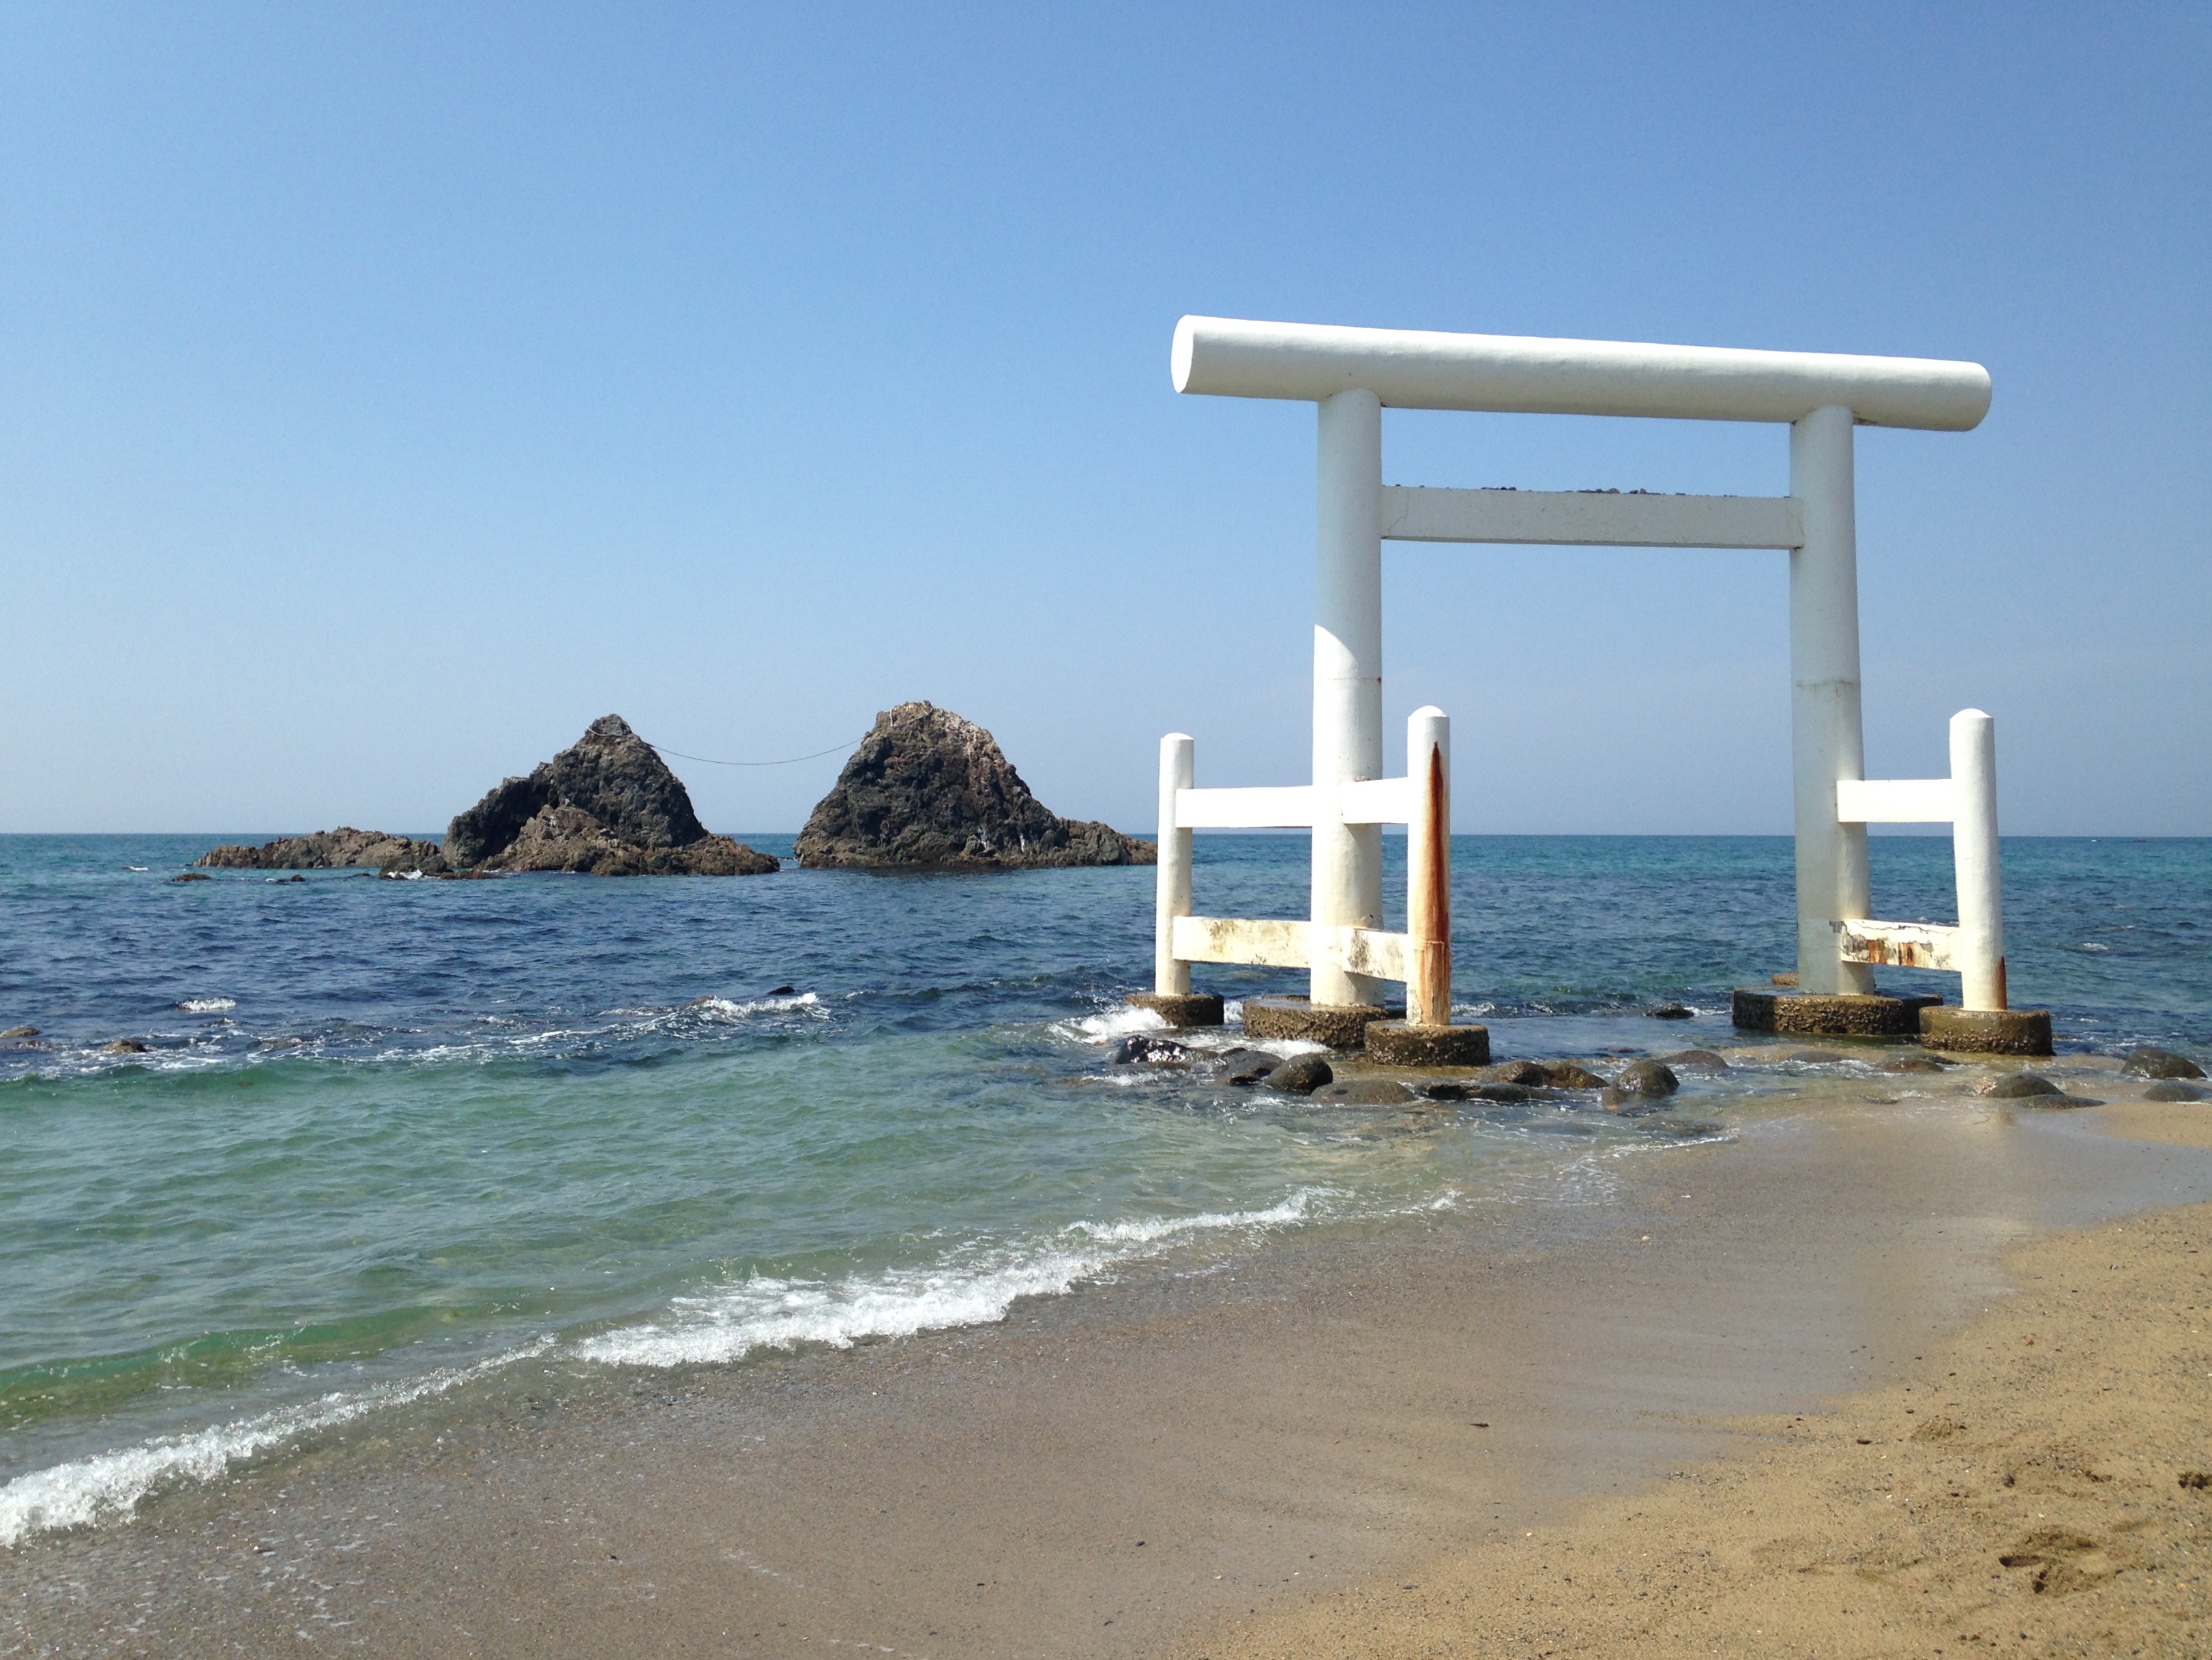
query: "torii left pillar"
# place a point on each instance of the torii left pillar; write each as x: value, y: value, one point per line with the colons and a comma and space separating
x: 1347, y: 710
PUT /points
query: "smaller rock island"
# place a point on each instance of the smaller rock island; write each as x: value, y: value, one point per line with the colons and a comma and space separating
x: 927, y: 789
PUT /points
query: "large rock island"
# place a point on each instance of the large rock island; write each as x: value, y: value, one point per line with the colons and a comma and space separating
x: 931, y: 790
x: 608, y: 806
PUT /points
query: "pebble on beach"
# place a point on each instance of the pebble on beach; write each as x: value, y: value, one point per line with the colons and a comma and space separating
x: 2017, y: 1086
x: 2174, y: 1089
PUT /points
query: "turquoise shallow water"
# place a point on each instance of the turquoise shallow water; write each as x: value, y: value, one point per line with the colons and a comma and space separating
x: 387, y: 1136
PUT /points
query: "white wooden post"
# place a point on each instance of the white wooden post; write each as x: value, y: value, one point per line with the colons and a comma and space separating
x: 1347, y: 714
x: 1974, y: 856
x: 1428, y: 868
x: 1177, y: 771
x: 1827, y: 738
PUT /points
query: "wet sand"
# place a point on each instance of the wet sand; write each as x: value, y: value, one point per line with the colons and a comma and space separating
x: 1249, y: 1459
x: 2039, y: 1484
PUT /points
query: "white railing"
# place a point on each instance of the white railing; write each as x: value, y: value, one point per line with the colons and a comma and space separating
x: 1420, y: 956
x: 1974, y: 948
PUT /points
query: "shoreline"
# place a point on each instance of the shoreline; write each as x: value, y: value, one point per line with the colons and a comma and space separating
x: 1307, y: 1416
x: 2038, y: 1481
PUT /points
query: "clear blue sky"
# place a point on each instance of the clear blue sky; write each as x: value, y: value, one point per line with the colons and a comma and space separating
x: 386, y: 392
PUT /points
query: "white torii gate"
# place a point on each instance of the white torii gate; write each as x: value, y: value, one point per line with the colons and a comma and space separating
x: 1352, y: 374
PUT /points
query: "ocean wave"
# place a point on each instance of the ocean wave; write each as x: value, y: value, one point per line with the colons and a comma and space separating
x: 207, y: 1005
x: 724, y: 1008
x: 107, y: 1488
x: 1110, y: 1024
x: 961, y: 1289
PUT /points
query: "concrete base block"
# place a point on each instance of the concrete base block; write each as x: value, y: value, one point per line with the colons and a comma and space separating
x: 1185, y: 1008
x: 1986, y: 1031
x: 1395, y: 1043
x: 1339, y: 1026
x: 1825, y: 1014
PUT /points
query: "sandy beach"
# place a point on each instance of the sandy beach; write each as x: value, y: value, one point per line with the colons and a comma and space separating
x: 1500, y: 1431
x: 2041, y: 1483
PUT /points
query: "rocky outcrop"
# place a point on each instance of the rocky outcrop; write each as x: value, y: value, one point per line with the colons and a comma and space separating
x: 929, y: 789
x: 342, y: 848
x: 608, y: 806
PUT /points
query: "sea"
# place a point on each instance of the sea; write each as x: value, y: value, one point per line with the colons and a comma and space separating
x: 381, y: 1140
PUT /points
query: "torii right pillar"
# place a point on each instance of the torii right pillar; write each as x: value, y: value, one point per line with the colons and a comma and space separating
x: 1827, y: 736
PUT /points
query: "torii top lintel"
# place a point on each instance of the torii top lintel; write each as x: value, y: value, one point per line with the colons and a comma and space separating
x: 1419, y: 369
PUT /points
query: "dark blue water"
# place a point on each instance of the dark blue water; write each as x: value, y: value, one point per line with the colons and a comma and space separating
x: 384, y: 1136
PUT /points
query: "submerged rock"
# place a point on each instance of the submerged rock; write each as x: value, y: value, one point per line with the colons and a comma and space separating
x: 1248, y: 1065
x: 1652, y: 1078
x: 1365, y: 1092
x: 2160, y: 1063
x: 1529, y: 1074
x: 124, y: 1046
x: 1144, y: 1048
x: 927, y: 789
x: 1567, y: 1075
x: 1302, y: 1074
x: 609, y: 805
x: 1671, y: 1012
x: 20, y: 1031
x: 191, y: 876
x: 342, y: 848
x: 1704, y: 1060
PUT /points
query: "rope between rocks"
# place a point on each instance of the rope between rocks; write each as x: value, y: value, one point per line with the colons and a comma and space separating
x: 787, y: 761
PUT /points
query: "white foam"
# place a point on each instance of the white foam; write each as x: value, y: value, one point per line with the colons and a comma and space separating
x: 91, y: 1492
x: 961, y: 1289
x: 1110, y: 1024
x: 207, y: 1005
x: 1150, y: 1230
x: 724, y: 1008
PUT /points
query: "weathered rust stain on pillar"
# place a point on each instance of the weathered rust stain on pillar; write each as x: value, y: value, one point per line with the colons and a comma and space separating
x: 1430, y: 923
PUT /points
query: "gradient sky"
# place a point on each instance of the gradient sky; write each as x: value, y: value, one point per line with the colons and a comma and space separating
x: 386, y: 392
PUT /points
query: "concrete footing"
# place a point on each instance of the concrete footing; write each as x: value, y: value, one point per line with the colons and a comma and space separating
x: 1189, y: 1008
x: 1397, y: 1044
x: 1986, y: 1031
x: 1339, y: 1026
x: 1823, y: 1014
